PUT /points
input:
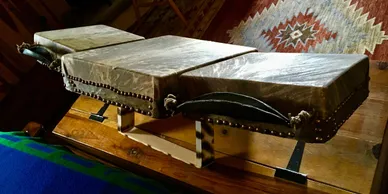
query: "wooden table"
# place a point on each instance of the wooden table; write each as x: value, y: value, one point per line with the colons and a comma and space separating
x: 245, y: 164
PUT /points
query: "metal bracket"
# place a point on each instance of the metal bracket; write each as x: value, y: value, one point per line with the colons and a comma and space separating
x: 99, y: 115
x: 291, y: 173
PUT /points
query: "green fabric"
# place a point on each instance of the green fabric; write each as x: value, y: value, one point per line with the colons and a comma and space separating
x: 56, y: 154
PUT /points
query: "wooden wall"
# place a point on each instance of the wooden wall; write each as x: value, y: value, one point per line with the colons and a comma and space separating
x: 19, y: 20
x: 28, y: 92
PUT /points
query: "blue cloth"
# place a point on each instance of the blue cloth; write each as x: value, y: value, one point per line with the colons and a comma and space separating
x: 27, y: 166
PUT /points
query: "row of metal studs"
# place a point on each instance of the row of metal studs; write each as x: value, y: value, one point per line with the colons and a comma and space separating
x: 332, y: 117
x: 114, y: 103
x: 56, y: 69
x: 131, y: 94
x: 347, y: 117
x: 111, y: 102
x: 345, y: 101
x: 335, y: 125
x: 250, y: 128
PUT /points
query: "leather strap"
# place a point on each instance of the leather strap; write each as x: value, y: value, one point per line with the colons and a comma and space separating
x: 233, y: 105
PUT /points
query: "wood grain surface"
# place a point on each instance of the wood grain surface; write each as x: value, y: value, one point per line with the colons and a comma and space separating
x: 349, y: 153
x: 179, y: 130
x: 92, y: 136
x: 345, y: 162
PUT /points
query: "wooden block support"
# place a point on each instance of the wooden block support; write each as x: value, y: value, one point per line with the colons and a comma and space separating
x: 33, y: 129
x: 125, y: 119
x: 204, y: 144
x: 204, y: 154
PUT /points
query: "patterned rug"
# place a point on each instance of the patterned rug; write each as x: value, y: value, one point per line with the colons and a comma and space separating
x: 162, y: 20
x: 318, y: 26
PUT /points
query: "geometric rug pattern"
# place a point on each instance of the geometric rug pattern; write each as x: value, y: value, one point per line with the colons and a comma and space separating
x: 316, y: 26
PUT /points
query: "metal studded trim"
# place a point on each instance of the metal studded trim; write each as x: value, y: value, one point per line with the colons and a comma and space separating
x: 144, y: 112
x: 249, y: 127
x: 341, y: 114
x: 130, y: 94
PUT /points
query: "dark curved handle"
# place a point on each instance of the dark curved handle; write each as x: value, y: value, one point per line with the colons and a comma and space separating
x: 234, y: 105
x: 37, y: 56
x: 40, y: 53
